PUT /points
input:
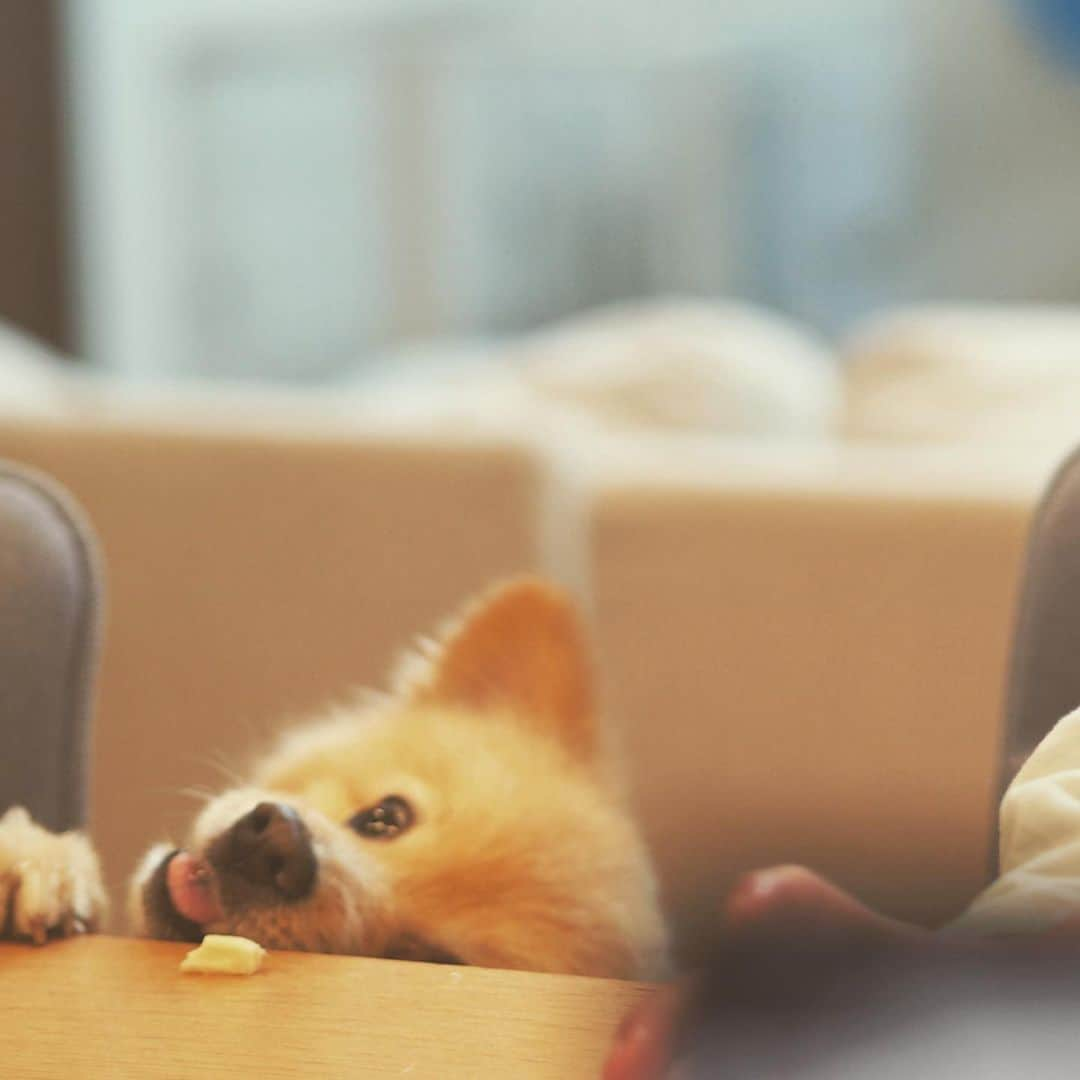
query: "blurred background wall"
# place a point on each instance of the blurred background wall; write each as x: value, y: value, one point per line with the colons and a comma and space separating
x: 267, y: 188
x: 35, y: 177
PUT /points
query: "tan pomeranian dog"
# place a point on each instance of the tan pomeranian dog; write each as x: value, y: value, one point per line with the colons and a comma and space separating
x: 471, y: 816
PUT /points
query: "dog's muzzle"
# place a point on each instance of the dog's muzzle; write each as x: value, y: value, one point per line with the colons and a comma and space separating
x: 265, y: 857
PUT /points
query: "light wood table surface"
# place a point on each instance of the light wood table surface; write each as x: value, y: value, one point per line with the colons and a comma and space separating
x: 100, y: 1007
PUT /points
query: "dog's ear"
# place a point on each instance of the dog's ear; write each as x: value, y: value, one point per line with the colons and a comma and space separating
x: 520, y: 647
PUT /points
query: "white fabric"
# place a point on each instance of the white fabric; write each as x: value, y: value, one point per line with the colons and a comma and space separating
x: 966, y: 374
x: 662, y: 366
x: 32, y: 379
x: 688, y: 366
x: 1040, y: 842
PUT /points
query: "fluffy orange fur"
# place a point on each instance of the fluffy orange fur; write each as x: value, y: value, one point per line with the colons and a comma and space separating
x: 522, y: 853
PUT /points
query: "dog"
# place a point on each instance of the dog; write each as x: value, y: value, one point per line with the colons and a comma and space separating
x: 474, y: 815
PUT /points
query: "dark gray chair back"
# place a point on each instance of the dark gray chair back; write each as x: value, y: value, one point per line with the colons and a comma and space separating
x: 1044, y: 674
x: 49, y: 611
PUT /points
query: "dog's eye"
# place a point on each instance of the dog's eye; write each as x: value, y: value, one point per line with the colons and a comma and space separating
x: 385, y: 820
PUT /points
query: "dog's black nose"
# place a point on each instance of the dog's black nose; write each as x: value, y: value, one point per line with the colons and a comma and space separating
x: 268, y: 849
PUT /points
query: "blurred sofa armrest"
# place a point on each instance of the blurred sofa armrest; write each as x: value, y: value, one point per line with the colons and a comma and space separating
x: 807, y: 653
x: 259, y: 566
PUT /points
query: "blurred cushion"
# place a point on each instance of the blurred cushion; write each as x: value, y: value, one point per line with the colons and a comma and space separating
x: 967, y: 374
x: 724, y: 368
x: 660, y: 366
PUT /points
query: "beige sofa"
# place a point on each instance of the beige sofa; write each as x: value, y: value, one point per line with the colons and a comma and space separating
x: 803, y: 643
x: 254, y: 576
x: 808, y: 660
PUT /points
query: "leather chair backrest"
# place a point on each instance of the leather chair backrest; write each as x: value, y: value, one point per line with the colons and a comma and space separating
x: 49, y: 614
x: 1044, y: 675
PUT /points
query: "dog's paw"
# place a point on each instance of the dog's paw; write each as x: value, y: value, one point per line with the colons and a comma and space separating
x: 50, y: 883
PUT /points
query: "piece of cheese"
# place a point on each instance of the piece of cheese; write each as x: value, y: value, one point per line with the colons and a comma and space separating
x: 222, y: 954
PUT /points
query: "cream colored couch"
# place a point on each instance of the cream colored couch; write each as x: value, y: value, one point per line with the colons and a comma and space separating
x: 807, y: 656
x: 253, y: 576
x: 803, y: 642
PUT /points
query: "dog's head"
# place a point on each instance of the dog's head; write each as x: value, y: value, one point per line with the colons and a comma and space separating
x: 471, y: 816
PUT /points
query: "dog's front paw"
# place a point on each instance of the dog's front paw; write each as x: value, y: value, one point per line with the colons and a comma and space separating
x: 50, y: 883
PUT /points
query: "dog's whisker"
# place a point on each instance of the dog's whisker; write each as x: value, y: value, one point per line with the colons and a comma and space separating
x: 199, y: 794
x: 165, y: 790
x: 217, y: 762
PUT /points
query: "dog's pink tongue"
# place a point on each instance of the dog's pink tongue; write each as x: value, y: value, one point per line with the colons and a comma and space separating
x: 191, y: 889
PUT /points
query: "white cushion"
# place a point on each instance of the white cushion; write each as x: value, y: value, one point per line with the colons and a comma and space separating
x: 967, y: 374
